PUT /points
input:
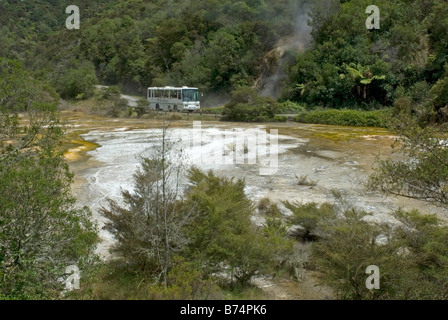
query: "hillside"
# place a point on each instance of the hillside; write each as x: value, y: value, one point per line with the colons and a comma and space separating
x: 215, y: 45
x: 220, y: 46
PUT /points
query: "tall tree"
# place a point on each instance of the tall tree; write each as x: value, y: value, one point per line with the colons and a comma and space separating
x: 150, y: 227
x: 41, y: 231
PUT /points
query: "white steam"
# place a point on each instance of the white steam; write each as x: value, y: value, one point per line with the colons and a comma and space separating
x: 272, y: 80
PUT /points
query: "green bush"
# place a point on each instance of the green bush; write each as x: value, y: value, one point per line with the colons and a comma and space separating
x: 77, y: 82
x: 290, y: 107
x: 117, y: 108
x: 280, y: 118
x: 109, y: 92
x: 412, y: 256
x: 376, y: 118
x: 223, y: 237
x: 246, y: 105
x: 423, y: 172
x: 116, y: 280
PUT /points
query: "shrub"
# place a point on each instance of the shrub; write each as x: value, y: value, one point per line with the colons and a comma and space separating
x: 267, y: 208
x: 77, y: 82
x: 290, y: 107
x: 280, y: 118
x: 412, y: 255
x: 116, y: 280
x: 223, y: 237
x: 310, y: 217
x: 109, y: 92
x: 41, y: 229
x: 246, y: 105
x: 423, y: 173
x: 303, y: 180
x: 118, y: 107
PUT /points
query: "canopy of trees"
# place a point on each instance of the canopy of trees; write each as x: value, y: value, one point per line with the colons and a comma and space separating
x: 352, y: 66
x: 215, y: 45
x: 219, y: 46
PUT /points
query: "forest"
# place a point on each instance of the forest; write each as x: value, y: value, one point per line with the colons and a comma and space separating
x: 221, y: 46
x: 331, y: 69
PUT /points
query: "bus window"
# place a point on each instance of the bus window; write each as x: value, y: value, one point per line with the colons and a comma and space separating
x: 190, y: 95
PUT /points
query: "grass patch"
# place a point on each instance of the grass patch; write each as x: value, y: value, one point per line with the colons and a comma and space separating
x: 357, y: 118
x: 247, y: 106
x: 215, y: 110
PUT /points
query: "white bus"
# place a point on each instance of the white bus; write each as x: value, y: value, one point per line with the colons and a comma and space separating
x: 173, y: 98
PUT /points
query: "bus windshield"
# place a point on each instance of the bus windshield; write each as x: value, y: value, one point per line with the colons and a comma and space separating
x: 190, y: 95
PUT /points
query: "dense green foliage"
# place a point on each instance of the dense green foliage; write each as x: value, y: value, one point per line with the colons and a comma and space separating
x: 421, y: 171
x: 220, y: 46
x: 410, y: 256
x: 76, y: 82
x: 41, y: 232
x: 216, y: 46
x: 117, y: 281
x: 349, y: 65
x: 224, y: 238
x: 246, y: 105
